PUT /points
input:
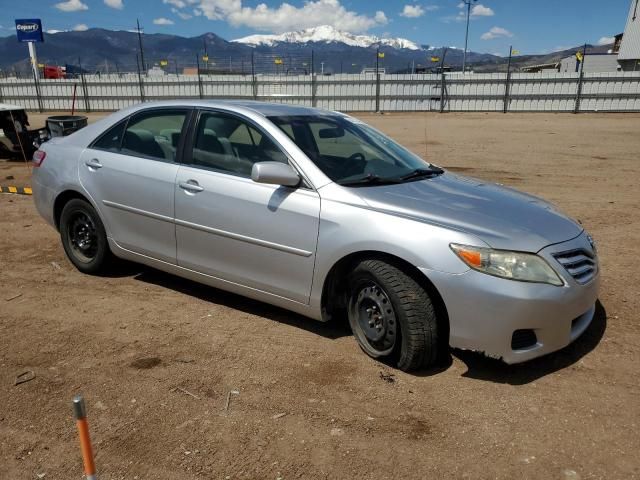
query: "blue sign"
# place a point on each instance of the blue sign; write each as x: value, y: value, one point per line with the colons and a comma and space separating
x: 29, y: 30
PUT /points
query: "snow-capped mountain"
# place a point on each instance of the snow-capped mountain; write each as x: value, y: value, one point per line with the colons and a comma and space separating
x: 327, y: 34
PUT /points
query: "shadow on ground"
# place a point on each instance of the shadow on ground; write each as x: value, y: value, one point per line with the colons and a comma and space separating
x: 483, y: 368
x: 330, y: 330
x: 479, y: 367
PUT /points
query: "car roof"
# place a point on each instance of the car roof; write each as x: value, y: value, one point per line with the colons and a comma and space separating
x: 263, y: 108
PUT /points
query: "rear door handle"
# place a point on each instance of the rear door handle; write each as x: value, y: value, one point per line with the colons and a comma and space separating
x: 93, y: 163
x: 191, y: 186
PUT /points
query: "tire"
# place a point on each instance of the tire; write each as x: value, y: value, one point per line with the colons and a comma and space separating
x: 83, y: 237
x: 392, y: 316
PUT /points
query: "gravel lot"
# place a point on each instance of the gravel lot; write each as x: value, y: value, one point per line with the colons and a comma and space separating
x: 156, y: 356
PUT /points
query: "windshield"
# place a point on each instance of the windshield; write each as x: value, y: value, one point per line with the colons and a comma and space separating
x: 351, y: 152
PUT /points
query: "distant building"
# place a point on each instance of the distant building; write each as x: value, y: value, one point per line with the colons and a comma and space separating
x: 593, y: 62
x: 629, y: 54
x: 372, y: 71
x: 541, y: 67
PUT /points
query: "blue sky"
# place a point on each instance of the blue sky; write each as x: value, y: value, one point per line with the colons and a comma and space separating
x: 532, y: 26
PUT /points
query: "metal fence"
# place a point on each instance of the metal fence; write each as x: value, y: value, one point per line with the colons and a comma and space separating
x: 448, y: 92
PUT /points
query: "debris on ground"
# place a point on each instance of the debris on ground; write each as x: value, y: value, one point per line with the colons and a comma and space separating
x: 13, y: 297
x: 388, y: 377
x: 186, y: 392
x: 232, y: 392
x: 278, y: 415
x: 56, y: 266
x: 25, y: 377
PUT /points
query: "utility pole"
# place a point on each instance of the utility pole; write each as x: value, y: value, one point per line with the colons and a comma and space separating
x: 467, y: 3
x: 580, y: 79
x: 443, y: 82
x: 505, y: 101
x: 144, y: 68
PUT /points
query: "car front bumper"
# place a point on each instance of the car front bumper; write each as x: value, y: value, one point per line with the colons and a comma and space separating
x: 485, y: 311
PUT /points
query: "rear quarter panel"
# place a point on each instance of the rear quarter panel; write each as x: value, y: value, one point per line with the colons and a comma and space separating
x: 58, y: 173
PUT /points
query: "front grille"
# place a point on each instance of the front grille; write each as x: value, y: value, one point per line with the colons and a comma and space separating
x: 580, y: 264
x: 522, y: 339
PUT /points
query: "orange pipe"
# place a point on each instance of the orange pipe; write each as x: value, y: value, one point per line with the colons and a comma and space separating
x: 85, y: 447
x: 80, y: 414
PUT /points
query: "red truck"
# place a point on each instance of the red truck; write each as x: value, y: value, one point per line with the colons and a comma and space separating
x: 53, y: 72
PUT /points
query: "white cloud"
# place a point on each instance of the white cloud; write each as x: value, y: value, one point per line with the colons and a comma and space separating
x: 412, y: 11
x: 496, y: 32
x: 81, y: 27
x: 220, y: 9
x: 477, y: 11
x: 117, y: 4
x: 480, y: 10
x: 182, y: 15
x: 606, y: 40
x: 381, y: 18
x: 71, y: 6
x: 175, y: 3
x: 53, y: 31
x: 286, y: 17
x: 162, y: 21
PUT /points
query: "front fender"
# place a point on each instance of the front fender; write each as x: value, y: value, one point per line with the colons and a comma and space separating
x: 347, y: 228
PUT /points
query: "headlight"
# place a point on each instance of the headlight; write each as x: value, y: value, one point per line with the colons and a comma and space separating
x: 524, y: 267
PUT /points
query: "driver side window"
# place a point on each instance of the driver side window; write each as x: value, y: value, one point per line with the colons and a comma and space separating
x: 230, y: 145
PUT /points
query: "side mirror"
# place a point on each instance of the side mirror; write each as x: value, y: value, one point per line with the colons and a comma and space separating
x: 275, y: 173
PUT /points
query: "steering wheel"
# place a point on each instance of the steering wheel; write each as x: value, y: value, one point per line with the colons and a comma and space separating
x: 357, y: 156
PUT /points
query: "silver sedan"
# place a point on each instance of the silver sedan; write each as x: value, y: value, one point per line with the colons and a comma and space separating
x: 321, y: 214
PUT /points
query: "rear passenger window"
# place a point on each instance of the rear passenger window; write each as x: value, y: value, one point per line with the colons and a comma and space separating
x: 112, y: 139
x: 154, y: 134
x: 230, y: 145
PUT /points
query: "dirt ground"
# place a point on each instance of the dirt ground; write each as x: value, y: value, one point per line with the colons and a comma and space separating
x: 157, y: 357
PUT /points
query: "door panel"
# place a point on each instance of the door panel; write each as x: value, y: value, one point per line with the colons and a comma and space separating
x: 135, y: 199
x: 130, y: 172
x: 260, y: 236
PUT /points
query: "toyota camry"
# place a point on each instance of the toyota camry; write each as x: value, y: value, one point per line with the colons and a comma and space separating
x: 319, y: 213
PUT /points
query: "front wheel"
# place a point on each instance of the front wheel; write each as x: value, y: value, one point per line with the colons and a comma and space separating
x: 392, y: 316
x: 83, y: 237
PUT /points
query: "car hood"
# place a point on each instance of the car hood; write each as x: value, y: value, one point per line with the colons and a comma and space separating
x: 502, y: 217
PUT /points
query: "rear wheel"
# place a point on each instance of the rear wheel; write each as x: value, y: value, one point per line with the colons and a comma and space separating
x: 392, y: 316
x: 83, y: 237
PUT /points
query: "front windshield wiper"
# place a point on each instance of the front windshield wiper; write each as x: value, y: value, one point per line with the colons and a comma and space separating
x: 369, y: 179
x: 432, y: 171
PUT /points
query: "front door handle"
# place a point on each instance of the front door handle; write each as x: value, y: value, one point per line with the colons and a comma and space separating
x: 191, y: 186
x: 93, y: 163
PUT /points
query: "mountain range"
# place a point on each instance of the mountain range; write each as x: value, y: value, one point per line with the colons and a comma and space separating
x: 327, y: 34
x: 334, y: 51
